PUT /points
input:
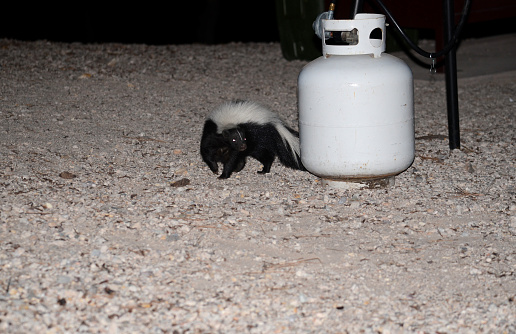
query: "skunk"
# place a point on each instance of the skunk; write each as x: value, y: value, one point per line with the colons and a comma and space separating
x: 238, y: 129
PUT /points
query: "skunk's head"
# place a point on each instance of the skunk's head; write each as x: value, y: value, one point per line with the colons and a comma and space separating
x: 235, y: 138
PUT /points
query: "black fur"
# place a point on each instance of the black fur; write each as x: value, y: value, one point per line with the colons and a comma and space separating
x: 225, y: 147
x: 262, y: 142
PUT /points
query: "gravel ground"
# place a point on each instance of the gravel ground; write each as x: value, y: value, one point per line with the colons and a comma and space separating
x: 111, y: 223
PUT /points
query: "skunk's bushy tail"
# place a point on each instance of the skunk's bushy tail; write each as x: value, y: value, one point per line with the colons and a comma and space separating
x: 288, y: 147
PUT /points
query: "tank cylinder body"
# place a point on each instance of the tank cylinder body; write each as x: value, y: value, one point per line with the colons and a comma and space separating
x: 356, y: 107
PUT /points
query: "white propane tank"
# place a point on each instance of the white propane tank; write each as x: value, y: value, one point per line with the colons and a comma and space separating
x: 356, y: 107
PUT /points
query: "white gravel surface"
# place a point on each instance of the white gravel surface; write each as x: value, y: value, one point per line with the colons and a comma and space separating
x: 111, y: 223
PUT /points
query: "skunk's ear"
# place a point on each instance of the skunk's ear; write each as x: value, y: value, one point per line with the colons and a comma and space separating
x: 226, y: 134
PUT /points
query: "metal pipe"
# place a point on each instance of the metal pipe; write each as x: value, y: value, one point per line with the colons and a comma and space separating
x: 356, y: 8
x: 450, y: 64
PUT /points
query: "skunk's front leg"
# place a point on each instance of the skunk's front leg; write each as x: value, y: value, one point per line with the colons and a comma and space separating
x: 232, y: 163
x: 212, y: 163
x: 209, y: 157
x: 213, y: 166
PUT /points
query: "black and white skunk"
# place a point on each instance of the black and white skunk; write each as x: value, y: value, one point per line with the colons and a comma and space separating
x: 236, y: 130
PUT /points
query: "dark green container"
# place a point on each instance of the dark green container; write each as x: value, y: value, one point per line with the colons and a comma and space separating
x: 295, y: 18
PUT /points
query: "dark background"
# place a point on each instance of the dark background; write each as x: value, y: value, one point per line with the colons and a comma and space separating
x: 166, y: 22
x: 172, y: 22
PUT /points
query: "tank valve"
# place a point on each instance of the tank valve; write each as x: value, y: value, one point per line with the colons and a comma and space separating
x: 317, y: 25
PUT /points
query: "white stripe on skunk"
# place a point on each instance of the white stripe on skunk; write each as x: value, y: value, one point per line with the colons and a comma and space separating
x: 265, y: 137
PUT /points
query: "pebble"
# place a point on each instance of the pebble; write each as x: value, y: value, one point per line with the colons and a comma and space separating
x: 63, y: 279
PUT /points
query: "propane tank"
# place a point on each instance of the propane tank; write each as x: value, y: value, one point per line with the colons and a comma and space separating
x: 356, y: 107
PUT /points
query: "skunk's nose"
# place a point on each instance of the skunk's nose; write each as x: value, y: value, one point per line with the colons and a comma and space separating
x: 243, y: 147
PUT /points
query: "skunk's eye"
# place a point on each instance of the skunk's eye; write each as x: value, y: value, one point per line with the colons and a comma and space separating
x: 233, y: 139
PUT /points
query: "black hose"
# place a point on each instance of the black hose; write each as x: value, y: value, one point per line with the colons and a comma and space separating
x: 451, y: 43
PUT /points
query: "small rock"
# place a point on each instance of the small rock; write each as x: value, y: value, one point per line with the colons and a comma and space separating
x: 67, y: 175
x: 475, y: 271
x: 62, y: 279
x: 180, y: 183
